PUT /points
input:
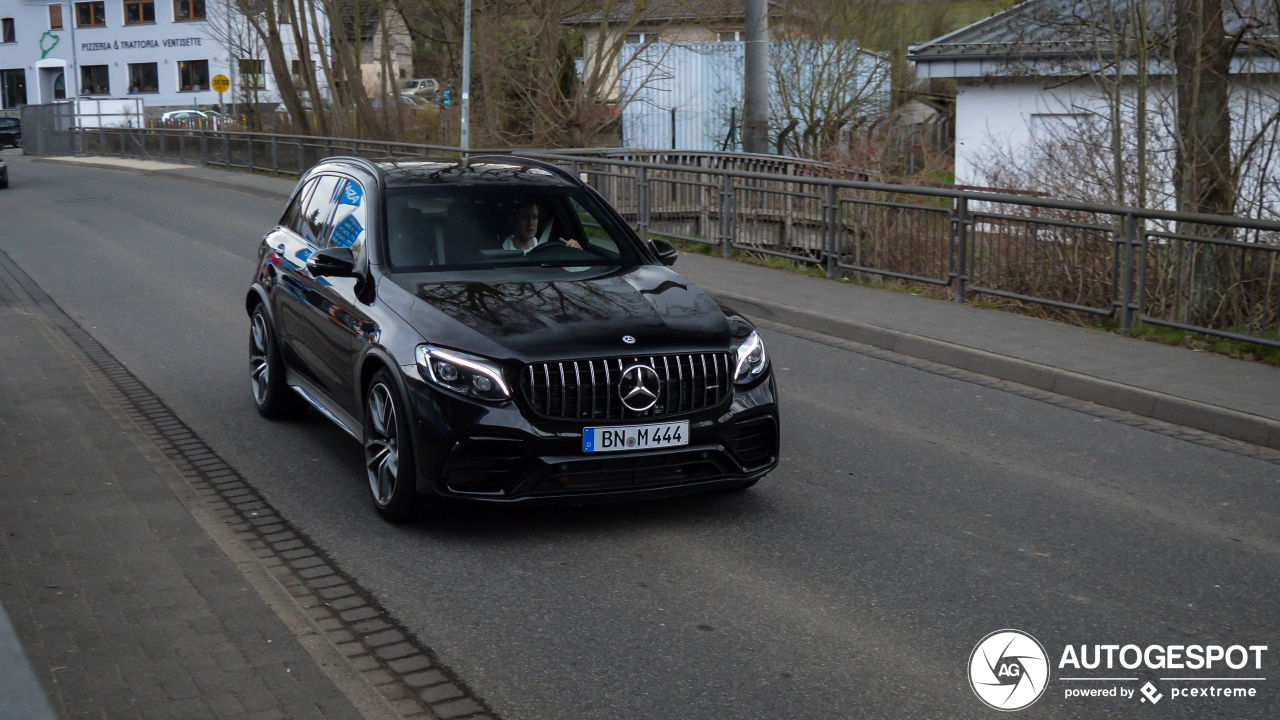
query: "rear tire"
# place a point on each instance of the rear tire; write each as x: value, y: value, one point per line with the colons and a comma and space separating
x: 271, y: 394
x: 388, y: 451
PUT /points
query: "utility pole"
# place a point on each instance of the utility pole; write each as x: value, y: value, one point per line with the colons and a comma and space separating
x: 465, y: 130
x: 755, y: 85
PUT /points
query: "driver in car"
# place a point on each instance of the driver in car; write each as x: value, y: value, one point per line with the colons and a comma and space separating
x: 523, y: 223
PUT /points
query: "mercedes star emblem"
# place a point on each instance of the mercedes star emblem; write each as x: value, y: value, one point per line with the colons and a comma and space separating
x: 639, y: 387
x: 628, y: 340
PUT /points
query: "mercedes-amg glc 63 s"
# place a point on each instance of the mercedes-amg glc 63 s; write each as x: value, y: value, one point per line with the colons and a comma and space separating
x: 495, y: 331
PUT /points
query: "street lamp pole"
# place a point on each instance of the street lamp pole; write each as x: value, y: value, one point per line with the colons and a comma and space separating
x: 465, y: 132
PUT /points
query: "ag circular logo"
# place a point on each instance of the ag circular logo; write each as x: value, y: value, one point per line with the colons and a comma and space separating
x: 1009, y: 670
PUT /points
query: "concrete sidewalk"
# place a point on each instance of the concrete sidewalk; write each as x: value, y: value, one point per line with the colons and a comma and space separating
x: 1216, y: 394
x: 124, y: 603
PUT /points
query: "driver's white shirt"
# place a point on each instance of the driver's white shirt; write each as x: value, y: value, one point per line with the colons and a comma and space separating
x: 510, y: 244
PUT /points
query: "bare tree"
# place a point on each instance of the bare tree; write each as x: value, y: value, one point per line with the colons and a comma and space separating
x: 828, y: 82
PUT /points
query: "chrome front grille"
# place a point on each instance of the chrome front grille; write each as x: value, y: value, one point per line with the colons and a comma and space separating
x: 588, y: 389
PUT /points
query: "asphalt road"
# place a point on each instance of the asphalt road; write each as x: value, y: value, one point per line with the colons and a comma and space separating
x: 912, y: 513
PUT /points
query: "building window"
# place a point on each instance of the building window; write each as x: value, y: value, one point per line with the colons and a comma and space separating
x: 641, y: 38
x: 143, y: 78
x: 6, y: 30
x: 13, y: 88
x: 93, y: 80
x: 286, y: 12
x: 296, y: 67
x: 252, y: 74
x: 91, y: 14
x: 729, y: 36
x: 188, y: 9
x: 139, y: 12
x: 55, y: 17
x: 193, y: 75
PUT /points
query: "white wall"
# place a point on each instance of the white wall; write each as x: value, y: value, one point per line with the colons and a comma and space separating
x: 165, y: 42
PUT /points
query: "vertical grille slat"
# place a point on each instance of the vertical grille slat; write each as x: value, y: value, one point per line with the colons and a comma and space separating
x: 577, y: 399
x: 706, y: 386
x: 591, y: 365
x: 692, y: 381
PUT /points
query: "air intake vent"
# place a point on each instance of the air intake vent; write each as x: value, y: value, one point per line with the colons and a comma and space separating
x: 754, y: 443
x: 483, y: 464
x: 588, y: 389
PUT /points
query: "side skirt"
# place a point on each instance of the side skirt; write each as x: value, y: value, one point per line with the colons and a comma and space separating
x: 327, y: 407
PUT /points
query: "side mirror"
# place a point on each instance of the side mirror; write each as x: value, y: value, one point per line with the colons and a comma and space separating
x: 665, y: 251
x: 335, y: 261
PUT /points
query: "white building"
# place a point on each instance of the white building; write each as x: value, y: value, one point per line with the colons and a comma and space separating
x: 163, y: 53
x: 689, y: 96
x: 1028, y: 83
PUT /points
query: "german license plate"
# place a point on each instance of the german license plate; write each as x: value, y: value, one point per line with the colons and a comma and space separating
x: 635, y: 437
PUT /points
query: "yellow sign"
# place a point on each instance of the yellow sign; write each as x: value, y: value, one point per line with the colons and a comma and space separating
x: 221, y: 83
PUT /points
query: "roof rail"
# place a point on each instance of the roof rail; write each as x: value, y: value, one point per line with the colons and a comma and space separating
x: 532, y: 162
x: 369, y: 165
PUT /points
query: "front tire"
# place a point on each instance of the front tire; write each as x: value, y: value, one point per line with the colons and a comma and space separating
x: 271, y: 394
x: 388, y: 450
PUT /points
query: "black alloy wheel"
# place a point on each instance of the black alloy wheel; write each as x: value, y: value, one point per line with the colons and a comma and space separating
x: 271, y: 394
x: 388, y: 451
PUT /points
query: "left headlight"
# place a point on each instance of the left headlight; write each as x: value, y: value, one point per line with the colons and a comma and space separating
x: 752, y: 359
x: 463, y: 373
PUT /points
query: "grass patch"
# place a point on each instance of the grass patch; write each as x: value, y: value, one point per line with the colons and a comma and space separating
x: 1206, y: 343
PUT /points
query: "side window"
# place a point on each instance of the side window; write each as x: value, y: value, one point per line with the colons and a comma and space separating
x: 293, y: 214
x: 351, y: 218
x: 316, y: 210
x: 591, y: 227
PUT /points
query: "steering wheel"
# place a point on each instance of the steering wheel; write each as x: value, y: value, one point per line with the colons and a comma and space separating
x: 551, y: 245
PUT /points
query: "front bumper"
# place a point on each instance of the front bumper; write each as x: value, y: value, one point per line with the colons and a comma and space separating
x: 507, y: 454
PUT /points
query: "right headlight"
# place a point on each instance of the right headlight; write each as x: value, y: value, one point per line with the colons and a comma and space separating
x: 463, y: 373
x: 752, y: 359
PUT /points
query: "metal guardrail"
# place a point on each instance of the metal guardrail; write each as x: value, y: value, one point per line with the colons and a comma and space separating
x: 1208, y: 274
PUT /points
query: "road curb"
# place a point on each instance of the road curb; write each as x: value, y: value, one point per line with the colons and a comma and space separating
x: 182, y: 174
x: 1214, y: 419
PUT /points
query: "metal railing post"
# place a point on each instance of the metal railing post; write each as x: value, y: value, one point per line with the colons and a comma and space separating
x: 250, y: 153
x: 1127, y: 274
x: 275, y: 155
x: 642, y: 203
x: 302, y: 157
x: 961, y: 224
x: 833, y: 230
x: 726, y: 216
x: 102, y: 140
x: 160, y: 137
x: 226, y: 147
x: 204, y: 148
x: 182, y: 148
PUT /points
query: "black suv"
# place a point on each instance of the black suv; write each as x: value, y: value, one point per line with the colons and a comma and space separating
x: 494, y: 331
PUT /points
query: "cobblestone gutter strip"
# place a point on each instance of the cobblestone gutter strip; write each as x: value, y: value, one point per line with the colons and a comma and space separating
x: 377, y: 649
x: 1160, y: 427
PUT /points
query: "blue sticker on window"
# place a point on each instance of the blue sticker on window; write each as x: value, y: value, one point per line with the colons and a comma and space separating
x: 347, y: 232
x: 351, y: 194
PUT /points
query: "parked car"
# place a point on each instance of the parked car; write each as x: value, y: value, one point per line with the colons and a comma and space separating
x: 422, y: 87
x: 188, y: 114
x: 4, y: 174
x: 10, y: 132
x: 495, y: 332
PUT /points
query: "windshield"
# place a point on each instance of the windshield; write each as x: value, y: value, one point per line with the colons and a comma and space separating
x: 8, y: 122
x: 456, y: 228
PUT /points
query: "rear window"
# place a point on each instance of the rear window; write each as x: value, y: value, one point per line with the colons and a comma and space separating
x: 457, y: 228
x: 9, y: 122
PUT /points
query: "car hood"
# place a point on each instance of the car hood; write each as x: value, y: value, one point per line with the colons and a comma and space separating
x: 539, y: 313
